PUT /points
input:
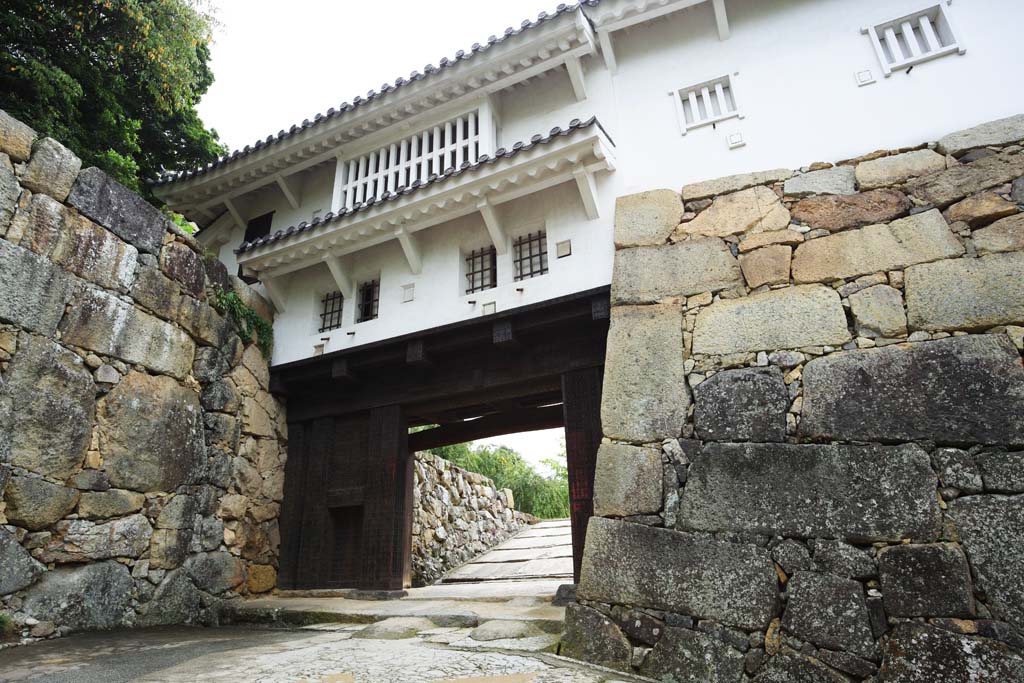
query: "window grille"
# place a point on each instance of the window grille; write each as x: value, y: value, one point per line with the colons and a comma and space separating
x: 706, y: 103
x: 912, y: 39
x: 481, y: 270
x: 530, y: 255
x: 332, y: 306
x: 417, y: 157
x: 369, y: 299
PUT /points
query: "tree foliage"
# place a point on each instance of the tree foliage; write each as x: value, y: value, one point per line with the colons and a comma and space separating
x: 116, y: 81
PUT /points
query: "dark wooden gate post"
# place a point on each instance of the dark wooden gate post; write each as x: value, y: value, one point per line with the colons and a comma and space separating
x: 581, y: 403
x: 387, y: 517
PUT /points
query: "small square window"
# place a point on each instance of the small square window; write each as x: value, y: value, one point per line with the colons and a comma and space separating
x: 901, y: 43
x: 481, y: 270
x: 706, y: 103
x: 563, y: 248
x: 369, y: 300
x: 408, y: 293
x: 332, y: 306
x: 490, y: 307
x: 530, y: 255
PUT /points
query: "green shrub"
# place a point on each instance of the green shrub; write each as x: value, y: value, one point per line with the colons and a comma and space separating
x: 7, y: 627
x: 249, y: 324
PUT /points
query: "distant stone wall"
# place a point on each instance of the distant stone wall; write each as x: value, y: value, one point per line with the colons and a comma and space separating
x: 814, y: 420
x: 141, y: 455
x: 457, y: 515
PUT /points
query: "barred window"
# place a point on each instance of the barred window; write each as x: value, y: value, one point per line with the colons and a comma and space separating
x: 481, y: 270
x: 369, y: 298
x: 530, y: 255
x: 330, y: 316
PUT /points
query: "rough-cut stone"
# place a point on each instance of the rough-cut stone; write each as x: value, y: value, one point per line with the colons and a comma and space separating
x: 836, y: 212
x: 646, y: 218
x: 153, y: 434
x: 215, y: 572
x: 645, y: 396
x: 952, y: 185
x: 844, y: 560
x: 51, y: 169
x: 34, y: 289
x: 925, y: 581
x: 158, y: 293
x: 766, y: 266
x: 733, y: 183
x: 185, y: 266
x: 966, y: 294
x: 112, y: 503
x: 861, y: 493
x: 1003, y: 235
x: 830, y: 612
x: 989, y: 134
x: 1002, y: 472
x: 958, y: 469
x: 36, y: 504
x: 179, y: 513
x: 200, y: 320
x: 918, y: 653
x: 1017, y: 190
x: 9, y: 193
x: 120, y: 210
x: 689, y: 657
x: 51, y: 396
x: 742, y: 405
x: 19, y: 569
x: 981, y: 209
x: 755, y: 210
x: 627, y: 481
x: 262, y: 578
x: 878, y: 312
x: 395, y: 628
x: 915, y: 239
x: 15, y: 137
x: 791, y: 667
x: 176, y: 601
x: 835, y: 180
x: 732, y: 583
x: 765, y: 239
x: 78, y: 540
x: 107, y: 325
x: 956, y: 390
x: 991, y: 529
x: 169, y: 548
x: 792, y: 556
x: 780, y: 319
x: 590, y: 636
x: 646, y: 274
x: 895, y: 169
x: 91, y: 596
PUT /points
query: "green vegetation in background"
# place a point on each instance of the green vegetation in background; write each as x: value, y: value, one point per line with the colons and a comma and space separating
x: 116, y: 81
x: 7, y: 628
x: 247, y: 322
x: 544, y: 497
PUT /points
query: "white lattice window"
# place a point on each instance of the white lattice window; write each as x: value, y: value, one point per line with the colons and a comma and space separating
x: 706, y: 103
x: 417, y: 157
x: 901, y: 43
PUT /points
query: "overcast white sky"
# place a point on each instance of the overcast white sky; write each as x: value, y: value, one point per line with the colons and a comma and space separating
x: 277, y: 63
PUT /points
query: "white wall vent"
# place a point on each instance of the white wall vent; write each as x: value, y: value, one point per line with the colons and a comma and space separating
x: 926, y: 34
x: 706, y: 103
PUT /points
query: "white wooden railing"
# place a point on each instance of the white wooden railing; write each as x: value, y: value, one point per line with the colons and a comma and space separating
x: 915, y: 38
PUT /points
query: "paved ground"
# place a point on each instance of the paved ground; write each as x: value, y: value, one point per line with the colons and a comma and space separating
x: 240, y: 655
x: 541, y: 551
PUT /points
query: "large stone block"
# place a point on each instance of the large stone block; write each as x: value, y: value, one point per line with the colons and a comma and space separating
x: 690, y: 657
x: 919, y: 653
x: 981, y: 209
x: 79, y: 540
x: 19, y: 569
x: 107, y: 325
x: 627, y: 481
x: 51, y: 169
x: 930, y: 580
x: 878, y: 312
x: 592, y: 637
x: 646, y: 274
x: 36, y: 503
x: 112, y: 503
x: 152, y: 434
x: 632, y: 564
x: 15, y: 137
x: 915, y: 239
x: 644, y: 396
x: 9, y: 193
x: 646, y: 218
x: 1002, y: 472
x: 215, y: 572
x: 791, y: 667
x: 991, y: 529
x: 1003, y: 235
x: 830, y: 612
x: 992, y: 133
x: 34, y: 289
x: 51, y: 400
x: 766, y: 266
x: 943, y: 188
x: 779, y: 319
x: 184, y: 266
x: 835, y: 180
x: 966, y: 294
x: 836, y: 212
x: 86, y: 597
x: 755, y: 210
x: 733, y: 183
x: 119, y: 210
x: 962, y: 390
x: 742, y: 405
x: 859, y: 493
x: 176, y: 601
x: 896, y: 169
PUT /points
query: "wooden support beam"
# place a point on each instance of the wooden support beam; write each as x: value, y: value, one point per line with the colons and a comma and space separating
x: 721, y: 19
x: 503, y: 336
x: 416, y: 354
x: 345, y: 497
x: 291, y: 195
x: 607, y: 51
x: 341, y: 278
x: 411, y: 249
x: 600, y: 308
x: 513, y: 422
x: 342, y: 371
x: 581, y: 396
x: 494, y: 228
x: 274, y: 290
x: 233, y: 210
x: 387, y: 522
x: 579, y: 85
x: 588, y: 191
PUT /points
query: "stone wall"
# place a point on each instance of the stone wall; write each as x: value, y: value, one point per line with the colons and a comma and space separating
x: 814, y: 420
x: 141, y: 455
x: 457, y: 515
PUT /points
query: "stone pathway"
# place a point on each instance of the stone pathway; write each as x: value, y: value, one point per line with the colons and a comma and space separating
x: 541, y: 551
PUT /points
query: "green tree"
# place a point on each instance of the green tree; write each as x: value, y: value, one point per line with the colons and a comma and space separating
x: 116, y: 81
